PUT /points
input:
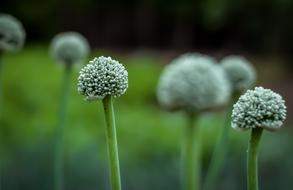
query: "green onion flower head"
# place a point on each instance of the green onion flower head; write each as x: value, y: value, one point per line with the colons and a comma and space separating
x: 101, y: 77
x: 259, y: 108
x: 12, y: 33
x: 240, y: 72
x: 69, y: 47
x: 193, y: 82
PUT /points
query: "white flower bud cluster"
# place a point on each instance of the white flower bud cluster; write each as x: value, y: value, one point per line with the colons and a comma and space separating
x: 193, y: 82
x: 240, y: 71
x: 103, y: 76
x: 69, y: 47
x: 12, y: 33
x: 259, y: 108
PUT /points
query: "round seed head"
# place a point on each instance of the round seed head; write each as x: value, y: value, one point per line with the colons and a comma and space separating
x: 69, y: 47
x: 240, y: 72
x: 193, y: 83
x: 259, y: 108
x: 101, y: 77
x: 12, y: 33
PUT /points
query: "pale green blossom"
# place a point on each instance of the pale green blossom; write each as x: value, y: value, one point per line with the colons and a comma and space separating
x: 101, y: 77
x: 193, y: 82
x: 12, y: 33
x: 240, y: 72
x: 69, y: 47
x: 259, y: 108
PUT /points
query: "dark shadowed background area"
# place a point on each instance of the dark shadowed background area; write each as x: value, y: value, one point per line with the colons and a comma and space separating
x: 255, y: 26
x: 144, y: 35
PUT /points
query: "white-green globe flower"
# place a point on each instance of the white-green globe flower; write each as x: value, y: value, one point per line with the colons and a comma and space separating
x: 101, y: 77
x: 259, y: 108
x: 193, y: 83
x: 69, y: 47
x: 12, y: 33
x: 240, y: 71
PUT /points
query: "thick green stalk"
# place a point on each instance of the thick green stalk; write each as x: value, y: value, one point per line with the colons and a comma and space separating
x: 219, y: 154
x: 112, y: 143
x: 191, y: 155
x: 59, y: 146
x: 252, y: 170
x: 1, y: 80
x: 1, y: 105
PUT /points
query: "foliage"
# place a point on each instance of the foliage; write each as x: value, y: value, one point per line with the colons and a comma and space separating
x: 149, y: 138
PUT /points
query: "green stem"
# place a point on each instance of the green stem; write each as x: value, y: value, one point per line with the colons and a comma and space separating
x: 252, y: 178
x: 219, y: 154
x: 112, y: 143
x: 1, y: 88
x: 59, y: 146
x: 191, y: 155
x: 1, y: 105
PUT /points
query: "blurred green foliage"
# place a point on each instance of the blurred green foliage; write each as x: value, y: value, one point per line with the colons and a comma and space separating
x: 149, y: 138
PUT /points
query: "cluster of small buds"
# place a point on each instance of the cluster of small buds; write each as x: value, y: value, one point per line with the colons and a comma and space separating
x: 69, y: 47
x: 193, y: 82
x: 259, y: 108
x: 103, y: 76
x: 240, y: 72
x: 12, y: 33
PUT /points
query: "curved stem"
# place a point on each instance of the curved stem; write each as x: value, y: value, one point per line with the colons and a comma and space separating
x: 252, y: 170
x: 112, y: 143
x: 219, y: 152
x: 59, y: 146
x: 191, y: 155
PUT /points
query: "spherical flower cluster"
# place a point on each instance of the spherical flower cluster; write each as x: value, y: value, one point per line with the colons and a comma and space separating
x: 259, y: 108
x: 103, y: 76
x: 240, y: 72
x: 193, y: 82
x: 69, y: 47
x: 12, y: 33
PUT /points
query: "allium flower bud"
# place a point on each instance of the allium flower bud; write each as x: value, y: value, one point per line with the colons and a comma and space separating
x: 240, y: 72
x: 103, y: 76
x: 193, y: 83
x: 69, y: 47
x: 12, y: 33
x: 259, y: 108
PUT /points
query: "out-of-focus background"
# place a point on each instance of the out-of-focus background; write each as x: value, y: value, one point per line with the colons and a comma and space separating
x: 144, y: 35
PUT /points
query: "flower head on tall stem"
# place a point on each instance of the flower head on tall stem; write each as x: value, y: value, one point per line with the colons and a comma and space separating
x: 12, y: 37
x: 69, y: 47
x: 242, y: 76
x: 193, y: 83
x: 257, y: 109
x: 12, y: 33
x: 103, y: 79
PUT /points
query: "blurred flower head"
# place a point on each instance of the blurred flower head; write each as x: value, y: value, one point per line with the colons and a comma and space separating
x: 259, y: 108
x: 240, y: 72
x: 69, y: 47
x: 101, y: 77
x: 12, y: 33
x: 193, y: 82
